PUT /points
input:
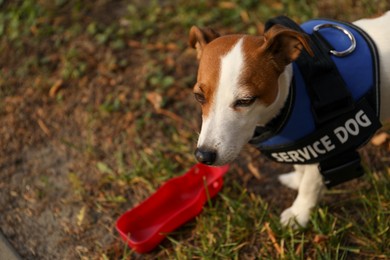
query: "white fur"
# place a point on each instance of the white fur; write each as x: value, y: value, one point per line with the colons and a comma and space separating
x: 310, y: 185
x: 293, y: 179
x: 307, y: 177
x: 227, y: 130
x: 213, y: 133
x: 379, y: 31
x: 309, y: 192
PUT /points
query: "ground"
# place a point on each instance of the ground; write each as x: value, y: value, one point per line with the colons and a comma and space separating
x: 97, y: 111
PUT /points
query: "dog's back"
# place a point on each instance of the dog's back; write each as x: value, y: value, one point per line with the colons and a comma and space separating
x: 379, y: 31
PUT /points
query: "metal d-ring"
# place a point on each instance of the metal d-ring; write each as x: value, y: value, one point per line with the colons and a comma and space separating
x: 346, y: 32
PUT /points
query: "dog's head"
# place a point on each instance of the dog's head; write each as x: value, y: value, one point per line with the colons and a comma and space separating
x: 237, y: 86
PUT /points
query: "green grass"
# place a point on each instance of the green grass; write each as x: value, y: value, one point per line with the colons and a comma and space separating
x: 75, y: 42
x: 239, y: 225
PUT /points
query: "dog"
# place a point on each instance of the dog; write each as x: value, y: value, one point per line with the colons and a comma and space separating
x: 244, y: 82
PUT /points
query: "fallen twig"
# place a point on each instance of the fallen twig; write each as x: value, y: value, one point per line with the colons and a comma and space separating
x: 43, y: 126
x: 271, y: 236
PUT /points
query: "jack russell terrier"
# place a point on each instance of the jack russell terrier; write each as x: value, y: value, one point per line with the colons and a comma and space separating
x: 250, y: 90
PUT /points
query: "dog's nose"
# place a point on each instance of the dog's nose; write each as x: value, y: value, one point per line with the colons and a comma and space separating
x: 205, y: 156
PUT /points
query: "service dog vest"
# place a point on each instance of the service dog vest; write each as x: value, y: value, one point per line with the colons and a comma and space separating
x: 333, y: 105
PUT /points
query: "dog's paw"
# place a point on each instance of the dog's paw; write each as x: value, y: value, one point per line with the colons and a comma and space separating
x: 294, y: 218
x: 291, y: 180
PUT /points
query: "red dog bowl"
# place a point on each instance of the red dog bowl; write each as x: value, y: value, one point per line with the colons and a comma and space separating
x: 177, y: 201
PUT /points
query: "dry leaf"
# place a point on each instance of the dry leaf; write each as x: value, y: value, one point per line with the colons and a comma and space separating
x: 56, y: 86
x: 380, y: 138
x: 319, y: 238
x: 43, y: 126
x: 245, y: 16
x: 80, y: 216
x: 255, y: 172
x: 227, y: 5
x: 155, y: 99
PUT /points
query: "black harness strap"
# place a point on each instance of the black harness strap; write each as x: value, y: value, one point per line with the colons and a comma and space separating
x: 341, y: 169
x: 326, y: 88
x: 331, y: 100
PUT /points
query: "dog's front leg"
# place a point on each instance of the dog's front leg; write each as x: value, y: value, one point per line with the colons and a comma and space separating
x: 310, y: 190
x: 293, y: 179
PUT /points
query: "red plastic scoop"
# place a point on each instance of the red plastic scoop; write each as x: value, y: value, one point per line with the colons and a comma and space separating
x: 180, y: 199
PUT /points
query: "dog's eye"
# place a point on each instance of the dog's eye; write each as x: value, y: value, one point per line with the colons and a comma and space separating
x: 245, y: 102
x: 200, y: 98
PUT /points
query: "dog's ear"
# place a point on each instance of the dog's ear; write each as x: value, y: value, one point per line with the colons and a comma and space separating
x: 199, y: 38
x: 285, y: 44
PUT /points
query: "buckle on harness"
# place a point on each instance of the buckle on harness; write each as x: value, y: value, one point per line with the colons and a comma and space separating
x: 345, y: 31
x: 328, y: 90
x: 336, y: 171
x: 326, y: 87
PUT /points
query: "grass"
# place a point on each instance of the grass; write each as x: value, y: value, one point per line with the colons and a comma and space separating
x: 240, y: 225
x: 130, y: 147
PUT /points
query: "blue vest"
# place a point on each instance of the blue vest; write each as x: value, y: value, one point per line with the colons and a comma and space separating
x: 299, y: 138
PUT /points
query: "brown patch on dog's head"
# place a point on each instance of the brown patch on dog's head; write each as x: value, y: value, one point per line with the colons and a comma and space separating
x: 210, y: 49
x: 285, y: 45
x: 266, y: 58
x: 199, y: 38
